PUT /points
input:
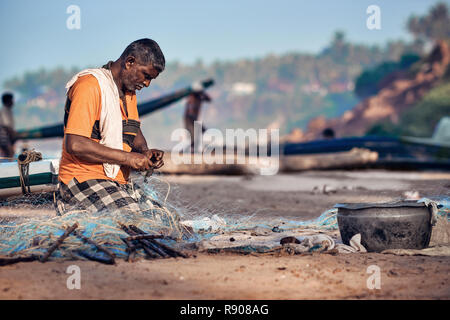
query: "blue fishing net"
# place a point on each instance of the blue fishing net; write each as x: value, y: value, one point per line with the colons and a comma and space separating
x: 443, y: 206
x: 327, y: 221
x: 33, y: 236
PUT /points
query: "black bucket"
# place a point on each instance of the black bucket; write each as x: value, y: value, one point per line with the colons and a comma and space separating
x: 399, y: 225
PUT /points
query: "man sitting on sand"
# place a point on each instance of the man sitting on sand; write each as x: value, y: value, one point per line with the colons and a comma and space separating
x: 102, y: 136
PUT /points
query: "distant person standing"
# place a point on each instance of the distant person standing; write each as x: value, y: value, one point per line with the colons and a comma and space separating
x: 7, y: 132
x: 192, y: 112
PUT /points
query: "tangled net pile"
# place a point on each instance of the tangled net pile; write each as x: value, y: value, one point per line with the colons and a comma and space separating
x: 34, y: 236
x: 327, y: 221
x: 21, y: 237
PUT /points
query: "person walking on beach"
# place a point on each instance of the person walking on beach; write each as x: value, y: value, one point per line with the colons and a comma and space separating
x: 7, y: 132
x: 192, y: 112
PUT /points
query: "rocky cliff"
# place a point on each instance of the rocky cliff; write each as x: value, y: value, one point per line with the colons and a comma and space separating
x: 399, y: 92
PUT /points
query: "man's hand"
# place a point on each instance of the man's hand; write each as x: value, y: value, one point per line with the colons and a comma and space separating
x: 93, y: 152
x: 155, y: 157
x: 138, y: 161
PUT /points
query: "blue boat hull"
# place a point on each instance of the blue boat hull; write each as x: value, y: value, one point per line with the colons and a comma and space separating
x: 392, y: 152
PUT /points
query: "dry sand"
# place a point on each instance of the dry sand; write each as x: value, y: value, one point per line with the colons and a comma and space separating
x: 232, y: 276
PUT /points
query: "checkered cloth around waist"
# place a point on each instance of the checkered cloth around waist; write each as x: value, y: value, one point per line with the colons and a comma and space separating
x: 95, y: 195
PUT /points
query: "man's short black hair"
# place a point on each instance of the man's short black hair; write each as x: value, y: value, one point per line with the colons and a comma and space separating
x: 146, y: 51
x: 7, y: 97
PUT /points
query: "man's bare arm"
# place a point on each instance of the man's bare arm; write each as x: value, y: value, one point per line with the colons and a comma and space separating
x: 91, y: 151
x: 140, y: 144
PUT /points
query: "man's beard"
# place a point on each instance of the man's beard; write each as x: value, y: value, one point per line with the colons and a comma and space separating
x: 128, y: 86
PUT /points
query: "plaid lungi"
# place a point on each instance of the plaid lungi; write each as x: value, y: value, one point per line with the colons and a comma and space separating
x: 96, y: 195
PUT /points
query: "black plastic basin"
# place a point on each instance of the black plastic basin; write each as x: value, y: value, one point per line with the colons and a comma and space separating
x: 399, y: 225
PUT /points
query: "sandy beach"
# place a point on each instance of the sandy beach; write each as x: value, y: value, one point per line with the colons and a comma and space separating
x: 255, y: 276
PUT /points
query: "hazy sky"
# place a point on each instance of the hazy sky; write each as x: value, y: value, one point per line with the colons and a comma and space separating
x: 34, y: 33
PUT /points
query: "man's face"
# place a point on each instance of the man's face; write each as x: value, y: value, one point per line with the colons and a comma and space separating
x: 136, y: 76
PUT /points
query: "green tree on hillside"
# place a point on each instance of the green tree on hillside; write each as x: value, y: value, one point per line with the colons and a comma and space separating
x: 433, y: 26
x: 368, y: 82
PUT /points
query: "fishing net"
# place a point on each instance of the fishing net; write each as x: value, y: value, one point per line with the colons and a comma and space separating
x: 33, y: 236
x: 327, y: 221
x: 180, y: 223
